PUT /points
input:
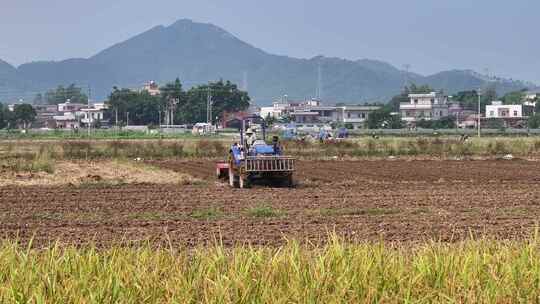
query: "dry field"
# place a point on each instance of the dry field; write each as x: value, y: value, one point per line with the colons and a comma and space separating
x: 108, y: 202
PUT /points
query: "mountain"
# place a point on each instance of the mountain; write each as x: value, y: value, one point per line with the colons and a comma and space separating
x: 198, y: 52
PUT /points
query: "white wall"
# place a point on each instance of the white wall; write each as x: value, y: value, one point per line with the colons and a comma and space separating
x: 504, y: 111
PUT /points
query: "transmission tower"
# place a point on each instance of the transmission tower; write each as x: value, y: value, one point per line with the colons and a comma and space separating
x: 245, y: 82
x: 319, y: 82
x: 406, y: 79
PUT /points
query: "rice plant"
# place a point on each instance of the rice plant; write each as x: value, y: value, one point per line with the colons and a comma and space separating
x: 480, y: 271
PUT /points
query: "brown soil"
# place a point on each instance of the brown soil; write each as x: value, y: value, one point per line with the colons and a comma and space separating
x: 363, y: 200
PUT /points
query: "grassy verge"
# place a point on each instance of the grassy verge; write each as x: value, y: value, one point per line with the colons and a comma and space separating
x: 433, y: 147
x: 443, y: 147
x: 468, y: 272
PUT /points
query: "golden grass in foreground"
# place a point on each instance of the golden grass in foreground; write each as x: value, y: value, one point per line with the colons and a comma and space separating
x: 472, y: 272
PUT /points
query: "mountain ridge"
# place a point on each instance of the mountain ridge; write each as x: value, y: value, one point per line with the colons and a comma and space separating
x: 199, y: 52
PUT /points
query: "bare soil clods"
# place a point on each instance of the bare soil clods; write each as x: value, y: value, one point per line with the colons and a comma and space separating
x: 361, y: 200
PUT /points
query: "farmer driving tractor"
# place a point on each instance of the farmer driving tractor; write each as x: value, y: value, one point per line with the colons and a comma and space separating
x: 251, y: 137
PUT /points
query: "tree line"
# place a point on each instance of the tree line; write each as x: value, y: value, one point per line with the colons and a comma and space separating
x: 21, y: 116
x: 183, y: 106
x: 62, y: 94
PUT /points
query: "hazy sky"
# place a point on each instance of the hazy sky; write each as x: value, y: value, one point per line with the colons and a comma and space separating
x: 430, y: 35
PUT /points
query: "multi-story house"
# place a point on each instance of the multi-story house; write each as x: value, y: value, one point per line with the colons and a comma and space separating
x: 429, y: 106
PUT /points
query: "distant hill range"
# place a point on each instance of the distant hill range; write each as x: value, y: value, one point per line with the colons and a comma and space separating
x: 197, y: 52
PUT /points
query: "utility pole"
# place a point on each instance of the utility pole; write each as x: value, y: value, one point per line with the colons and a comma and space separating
x: 127, y: 119
x: 159, y: 117
x: 479, y: 110
x: 88, y: 112
x: 319, y: 82
x: 209, y: 106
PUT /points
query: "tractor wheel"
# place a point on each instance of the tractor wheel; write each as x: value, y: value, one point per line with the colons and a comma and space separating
x: 289, y: 181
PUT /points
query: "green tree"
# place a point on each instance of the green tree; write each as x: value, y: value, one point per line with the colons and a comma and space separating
x: 173, y: 97
x: 415, y: 89
x: 24, y: 114
x: 383, y: 119
x: 493, y: 123
x: 72, y: 93
x: 143, y: 108
x: 468, y: 100
x: 190, y: 106
x: 3, y: 116
x: 424, y: 124
x: 490, y: 94
x: 225, y: 97
x: 444, y: 123
x: 270, y: 120
x: 534, y: 121
x: 516, y: 97
x: 173, y: 90
x: 38, y: 99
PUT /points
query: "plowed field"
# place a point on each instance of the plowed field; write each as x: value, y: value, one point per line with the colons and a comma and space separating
x: 363, y: 200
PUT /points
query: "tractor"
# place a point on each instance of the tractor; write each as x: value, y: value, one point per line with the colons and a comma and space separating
x: 254, y: 159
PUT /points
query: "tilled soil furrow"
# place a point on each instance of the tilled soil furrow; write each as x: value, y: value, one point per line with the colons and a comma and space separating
x: 363, y: 200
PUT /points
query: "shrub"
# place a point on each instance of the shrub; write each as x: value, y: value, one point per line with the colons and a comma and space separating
x: 263, y: 211
x: 206, y: 214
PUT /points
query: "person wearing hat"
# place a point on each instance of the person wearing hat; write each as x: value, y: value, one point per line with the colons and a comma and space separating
x: 250, y: 137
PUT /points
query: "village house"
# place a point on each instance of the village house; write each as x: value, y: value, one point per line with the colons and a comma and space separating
x: 429, y: 106
x: 74, y: 116
x: 152, y: 88
x: 514, y: 115
x: 313, y: 112
x: 45, y: 116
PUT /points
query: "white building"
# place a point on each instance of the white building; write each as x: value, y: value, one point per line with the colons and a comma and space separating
x: 68, y: 120
x: 70, y: 107
x: 498, y: 110
x: 357, y: 116
x: 73, y: 116
x: 430, y: 106
x: 313, y: 112
x: 277, y: 110
x: 90, y: 115
x: 531, y: 95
